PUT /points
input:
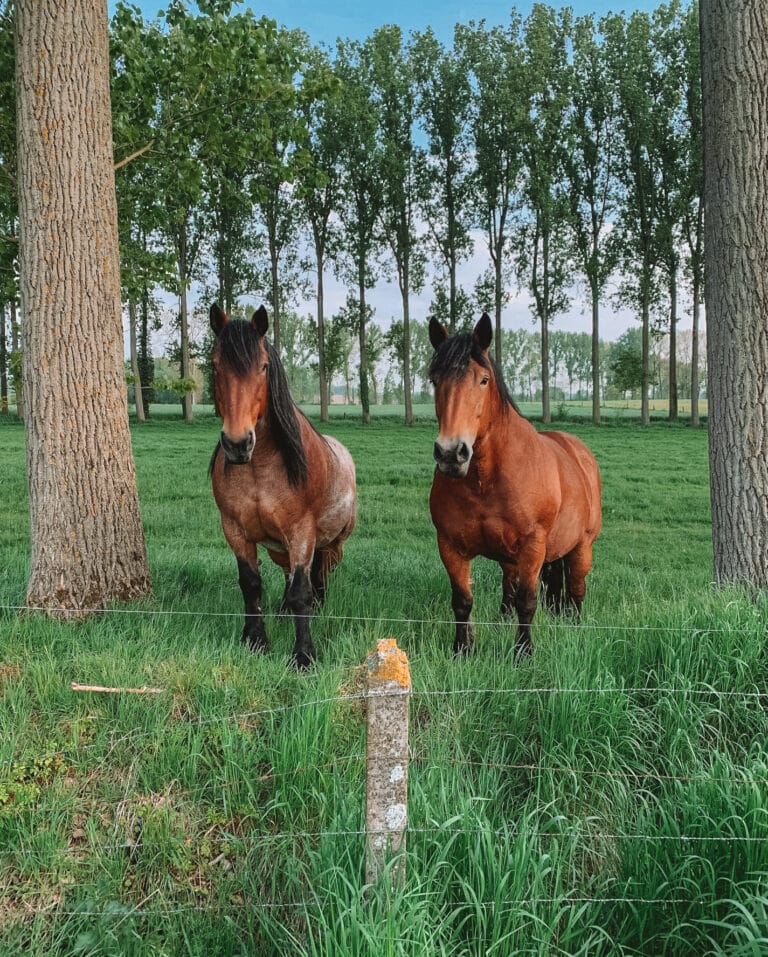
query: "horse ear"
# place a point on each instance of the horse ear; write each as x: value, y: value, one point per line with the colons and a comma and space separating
x: 483, y: 332
x: 260, y: 320
x: 437, y: 333
x: 218, y: 318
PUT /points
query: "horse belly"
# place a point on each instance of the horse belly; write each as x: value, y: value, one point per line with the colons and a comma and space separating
x: 338, y: 514
x: 338, y: 517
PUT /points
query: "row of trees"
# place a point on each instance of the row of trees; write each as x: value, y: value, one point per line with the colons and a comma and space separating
x: 250, y: 162
x: 620, y: 363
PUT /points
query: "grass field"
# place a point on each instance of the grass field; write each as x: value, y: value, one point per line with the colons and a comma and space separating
x: 607, y: 797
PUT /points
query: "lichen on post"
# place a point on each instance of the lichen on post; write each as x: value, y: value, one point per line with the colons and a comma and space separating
x: 389, y: 688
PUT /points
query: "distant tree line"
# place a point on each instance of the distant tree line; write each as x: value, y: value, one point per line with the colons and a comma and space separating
x: 250, y: 162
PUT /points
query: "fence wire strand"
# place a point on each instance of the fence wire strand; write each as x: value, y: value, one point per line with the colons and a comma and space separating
x: 372, y: 619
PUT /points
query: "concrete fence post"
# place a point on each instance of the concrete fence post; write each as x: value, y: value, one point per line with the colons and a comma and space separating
x: 389, y: 692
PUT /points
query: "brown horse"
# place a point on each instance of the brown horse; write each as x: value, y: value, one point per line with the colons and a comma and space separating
x: 278, y: 482
x: 528, y: 500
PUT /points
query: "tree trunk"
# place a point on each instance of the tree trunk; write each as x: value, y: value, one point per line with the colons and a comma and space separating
x: 407, y: 386
x: 3, y: 363
x: 645, y: 415
x: 695, y: 422
x: 673, y: 343
x: 364, y: 399
x: 734, y: 43
x: 146, y: 363
x: 275, y: 285
x: 546, y: 412
x: 324, y: 384
x: 186, y: 402
x: 86, y: 535
x: 452, y: 292
x: 734, y: 40
x: 138, y: 397
x: 497, y: 296
x: 595, y: 355
x: 16, y: 359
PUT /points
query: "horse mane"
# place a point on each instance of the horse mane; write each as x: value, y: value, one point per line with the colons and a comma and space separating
x: 240, y: 344
x: 453, y: 356
x: 283, y: 419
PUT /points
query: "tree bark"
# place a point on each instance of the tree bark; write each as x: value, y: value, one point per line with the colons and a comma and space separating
x: 138, y: 396
x: 86, y: 535
x: 734, y: 48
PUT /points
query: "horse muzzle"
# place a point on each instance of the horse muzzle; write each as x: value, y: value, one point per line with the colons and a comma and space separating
x: 238, y: 451
x: 453, y: 457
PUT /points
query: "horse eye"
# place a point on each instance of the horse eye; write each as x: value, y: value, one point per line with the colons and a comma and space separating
x: 484, y: 380
x: 264, y: 367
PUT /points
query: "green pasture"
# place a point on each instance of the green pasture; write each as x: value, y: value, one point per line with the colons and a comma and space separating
x: 607, y: 797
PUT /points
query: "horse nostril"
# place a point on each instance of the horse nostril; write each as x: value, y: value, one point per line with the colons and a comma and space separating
x: 462, y: 452
x: 438, y: 452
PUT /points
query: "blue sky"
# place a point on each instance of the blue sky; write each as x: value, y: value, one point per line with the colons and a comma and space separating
x: 325, y: 20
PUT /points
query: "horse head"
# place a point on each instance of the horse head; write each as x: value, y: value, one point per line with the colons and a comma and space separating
x: 240, y: 362
x: 461, y: 371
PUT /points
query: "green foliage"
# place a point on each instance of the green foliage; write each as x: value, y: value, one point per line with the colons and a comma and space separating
x: 626, y: 362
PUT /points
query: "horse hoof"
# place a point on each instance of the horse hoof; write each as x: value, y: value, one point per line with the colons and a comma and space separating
x: 303, y: 661
x: 255, y: 643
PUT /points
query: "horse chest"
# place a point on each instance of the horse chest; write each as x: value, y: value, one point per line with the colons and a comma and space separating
x: 472, y: 524
x: 255, y: 515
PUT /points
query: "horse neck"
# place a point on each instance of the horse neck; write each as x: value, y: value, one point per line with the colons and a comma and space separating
x: 504, y: 427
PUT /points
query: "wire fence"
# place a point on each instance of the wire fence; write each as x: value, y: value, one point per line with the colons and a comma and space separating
x: 323, y: 615
x: 234, y: 844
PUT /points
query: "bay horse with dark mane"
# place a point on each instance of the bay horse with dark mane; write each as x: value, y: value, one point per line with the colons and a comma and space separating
x: 528, y: 500
x: 277, y: 482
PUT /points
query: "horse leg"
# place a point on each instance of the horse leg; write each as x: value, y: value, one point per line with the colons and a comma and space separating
x: 254, y: 632
x: 298, y: 593
x: 298, y: 600
x: 578, y: 563
x: 508, y: 588
x: 323, y: 563
x: 530, y: 561
x: 458, y: 568
x: 552, y: 580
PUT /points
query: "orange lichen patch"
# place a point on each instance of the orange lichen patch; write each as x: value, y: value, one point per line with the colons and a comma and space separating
x: 389, y: 663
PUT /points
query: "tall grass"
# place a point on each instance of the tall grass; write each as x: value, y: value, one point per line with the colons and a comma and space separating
x: 607, y: 797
